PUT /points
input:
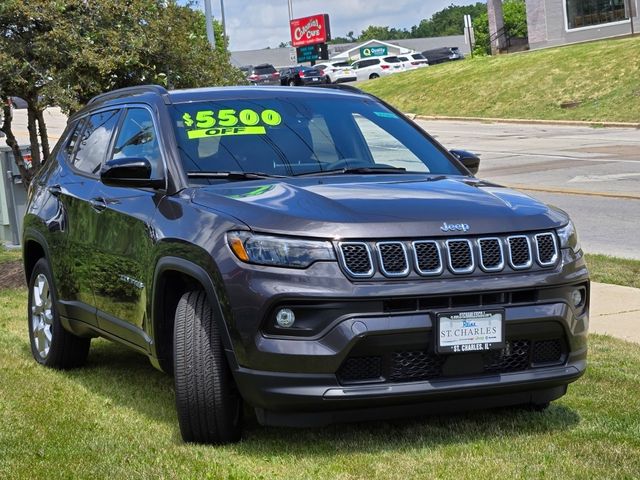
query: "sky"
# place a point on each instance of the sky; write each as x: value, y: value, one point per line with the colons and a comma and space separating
x: 255, y: 24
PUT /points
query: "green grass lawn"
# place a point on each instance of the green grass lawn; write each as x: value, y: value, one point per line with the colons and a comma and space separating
x: 617, y: 271
x: 7, y: 255
x: 603, y: 76
x: 116, y: 419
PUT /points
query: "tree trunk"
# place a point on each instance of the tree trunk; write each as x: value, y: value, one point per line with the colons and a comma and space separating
x: 32, y: 114
x: 44, y: 139
x: 26, y: 173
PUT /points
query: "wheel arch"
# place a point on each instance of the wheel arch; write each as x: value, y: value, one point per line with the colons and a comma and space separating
x: 173, y: 277
x: 34, y: 247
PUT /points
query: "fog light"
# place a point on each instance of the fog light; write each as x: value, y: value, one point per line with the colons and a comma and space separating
x: 576, y: 297
x: 285, y: 317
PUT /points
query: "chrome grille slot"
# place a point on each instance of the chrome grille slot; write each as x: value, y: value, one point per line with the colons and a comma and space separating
x: 393, y: 259
x: 460, y: 256
x: 519, y: 252
x: 491, y: 256
x: 356, y: 259
x: 427, y: 256
x: 546, y: 249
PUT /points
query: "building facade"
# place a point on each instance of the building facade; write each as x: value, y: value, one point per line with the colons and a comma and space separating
x: 559, y: 22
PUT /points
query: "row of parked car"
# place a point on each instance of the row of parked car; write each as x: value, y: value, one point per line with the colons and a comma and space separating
x: 343, y: 71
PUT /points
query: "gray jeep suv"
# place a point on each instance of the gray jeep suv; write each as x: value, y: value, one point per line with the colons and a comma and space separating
x: 310, y: 253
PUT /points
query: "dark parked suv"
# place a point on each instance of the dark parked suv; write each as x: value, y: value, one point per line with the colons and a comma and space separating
x: 310, y: 253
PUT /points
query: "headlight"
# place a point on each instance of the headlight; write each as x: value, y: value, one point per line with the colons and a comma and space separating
x: 278, y: 251
x: 569, y: 237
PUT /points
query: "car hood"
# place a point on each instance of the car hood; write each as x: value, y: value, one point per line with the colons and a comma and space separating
x: 379, y: 206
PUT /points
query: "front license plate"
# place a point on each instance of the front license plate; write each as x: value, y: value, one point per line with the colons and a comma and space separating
x: 470, y: 331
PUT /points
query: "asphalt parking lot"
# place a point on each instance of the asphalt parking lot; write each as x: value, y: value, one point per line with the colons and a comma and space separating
x: 592, y: 173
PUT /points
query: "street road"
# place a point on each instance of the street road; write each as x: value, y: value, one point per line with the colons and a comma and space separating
x: 602, y: 163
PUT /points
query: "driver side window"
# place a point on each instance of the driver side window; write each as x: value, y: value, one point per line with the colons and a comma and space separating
x: 138, y: 139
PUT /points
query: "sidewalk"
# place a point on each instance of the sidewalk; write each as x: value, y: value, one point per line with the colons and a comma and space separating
x: 615, y: 311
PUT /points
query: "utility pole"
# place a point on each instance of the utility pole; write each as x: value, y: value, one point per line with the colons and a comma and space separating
x: 224, y: 24
x: 290, y: 10
x: 209, y: 23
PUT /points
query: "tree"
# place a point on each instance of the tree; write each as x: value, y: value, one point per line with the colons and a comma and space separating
x: 449, y: 21
x: 63, y: 52
x: 515, y: 25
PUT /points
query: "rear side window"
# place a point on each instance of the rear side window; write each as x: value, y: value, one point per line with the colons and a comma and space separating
x: 264, y: 70
x: 137, y: 139
x: 72, y: 141
x: 392, y: 60
x: 94, y: 141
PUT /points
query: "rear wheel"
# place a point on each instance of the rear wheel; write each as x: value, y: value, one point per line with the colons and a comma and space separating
x: 208, y: 403
x: 373, y: 75
x: 51, y: 344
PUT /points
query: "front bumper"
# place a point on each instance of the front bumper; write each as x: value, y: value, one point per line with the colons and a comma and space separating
x: 297, y: 380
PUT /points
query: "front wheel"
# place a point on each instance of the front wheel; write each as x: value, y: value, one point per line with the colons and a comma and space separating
x: 51, y: 344
x: 373, y: 76
x: 208, y: 403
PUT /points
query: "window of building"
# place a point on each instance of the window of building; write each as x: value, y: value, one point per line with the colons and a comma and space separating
x: 586, y: 13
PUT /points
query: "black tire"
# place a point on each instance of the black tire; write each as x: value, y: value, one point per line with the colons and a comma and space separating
x: 373, y: 76
x: 65, y: 350
x: 208, y: 403
x: 327, y: 80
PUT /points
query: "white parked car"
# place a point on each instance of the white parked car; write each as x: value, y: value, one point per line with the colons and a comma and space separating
x: 370, y: 68
x: 412, y: 61
x: 337, y: 72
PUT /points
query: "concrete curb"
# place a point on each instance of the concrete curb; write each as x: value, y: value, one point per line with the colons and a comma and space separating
x: 569, y: 191
x: 565, y: 123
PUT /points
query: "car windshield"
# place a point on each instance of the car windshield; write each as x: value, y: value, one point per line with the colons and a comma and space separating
x: 295, y: 135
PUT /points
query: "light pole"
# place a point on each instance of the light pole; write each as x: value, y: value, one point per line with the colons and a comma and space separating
x: 209, y: 23
x: 224, y: 24
x: 290, y: 10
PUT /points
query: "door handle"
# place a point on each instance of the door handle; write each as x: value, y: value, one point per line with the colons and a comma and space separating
x: 55, y: 190
x: 98, y: 204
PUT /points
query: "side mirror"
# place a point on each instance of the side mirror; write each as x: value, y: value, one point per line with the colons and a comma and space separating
x: 470, y: 160
x: 129, y: 172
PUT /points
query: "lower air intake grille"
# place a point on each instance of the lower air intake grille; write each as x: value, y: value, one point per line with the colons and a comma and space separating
x: 513, y: 358
x: 360, y: 369
x: 415, y: 365
x: 547, y: 351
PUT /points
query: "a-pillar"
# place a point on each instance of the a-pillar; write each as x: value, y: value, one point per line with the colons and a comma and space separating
x: 496, y: 26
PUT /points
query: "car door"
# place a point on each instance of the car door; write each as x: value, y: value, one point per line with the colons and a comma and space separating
x: 125, y: 237
x: 73, y: 256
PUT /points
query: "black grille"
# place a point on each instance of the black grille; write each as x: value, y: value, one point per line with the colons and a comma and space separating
x: 491, y: 253
x: 393, y: 258
x: 360, y: 369
x: 460, y: 256
x: 427, y: 257
x: 520, y: 254
x: 514, y: 357
x: 547, y: 351
x: 546, y: 248
x: 415, y: 365
x: 356, y: 258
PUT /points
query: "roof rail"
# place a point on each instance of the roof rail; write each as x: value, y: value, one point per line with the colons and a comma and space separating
x: 122, y: 92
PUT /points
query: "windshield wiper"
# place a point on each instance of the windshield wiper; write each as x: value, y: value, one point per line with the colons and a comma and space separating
x: 232, y: 175
x: 357, y: 170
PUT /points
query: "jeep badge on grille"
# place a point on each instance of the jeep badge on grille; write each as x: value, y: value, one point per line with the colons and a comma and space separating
x: 454, y: 227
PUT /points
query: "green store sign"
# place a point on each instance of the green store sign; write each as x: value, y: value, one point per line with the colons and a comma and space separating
x: 373, y: 52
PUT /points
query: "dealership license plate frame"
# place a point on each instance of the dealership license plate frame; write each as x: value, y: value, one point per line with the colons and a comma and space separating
x: 486, y: 318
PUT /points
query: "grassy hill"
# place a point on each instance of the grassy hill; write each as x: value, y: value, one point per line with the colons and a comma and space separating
x: 604, y: 77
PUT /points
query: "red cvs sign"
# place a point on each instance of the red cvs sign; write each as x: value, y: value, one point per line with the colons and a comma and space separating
x: 310, y: 30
